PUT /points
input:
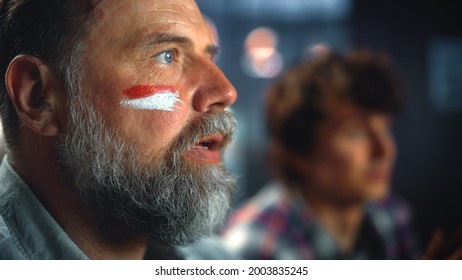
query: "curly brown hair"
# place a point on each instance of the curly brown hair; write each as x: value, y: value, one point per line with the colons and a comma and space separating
x: 295, y: 104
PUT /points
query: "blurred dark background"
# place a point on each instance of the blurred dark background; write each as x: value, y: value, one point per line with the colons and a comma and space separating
x: 260, y: 38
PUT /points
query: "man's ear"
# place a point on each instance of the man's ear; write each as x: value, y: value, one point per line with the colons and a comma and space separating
x: 32, y: 88
x: 301, y: 163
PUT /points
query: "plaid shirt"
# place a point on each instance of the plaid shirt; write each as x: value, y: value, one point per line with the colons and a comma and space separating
x: 275, y: 225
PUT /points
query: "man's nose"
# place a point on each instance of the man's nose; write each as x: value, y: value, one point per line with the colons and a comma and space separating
x: 383, y: 146
x: 214, y: 91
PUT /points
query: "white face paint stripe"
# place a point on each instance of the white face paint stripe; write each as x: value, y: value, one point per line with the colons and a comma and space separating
x: 162, y: 101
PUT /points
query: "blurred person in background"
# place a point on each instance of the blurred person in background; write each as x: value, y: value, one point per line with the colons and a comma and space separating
x: 332, y: 153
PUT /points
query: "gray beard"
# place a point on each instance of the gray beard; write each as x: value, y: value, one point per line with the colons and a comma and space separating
x: 172, y: 200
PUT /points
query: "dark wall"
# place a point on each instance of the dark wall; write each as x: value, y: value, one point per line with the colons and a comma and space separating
x: 429, y: 167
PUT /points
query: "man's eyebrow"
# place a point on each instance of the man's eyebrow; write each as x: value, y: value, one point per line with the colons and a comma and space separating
x: 161, y: 38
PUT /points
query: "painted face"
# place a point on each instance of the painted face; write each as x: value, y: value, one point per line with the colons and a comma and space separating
x: 149, y: 69
x: 162, y: 98
x: 353, y: 155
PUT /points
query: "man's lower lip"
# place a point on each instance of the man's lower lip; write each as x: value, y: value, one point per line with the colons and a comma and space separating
x: 205, y: 155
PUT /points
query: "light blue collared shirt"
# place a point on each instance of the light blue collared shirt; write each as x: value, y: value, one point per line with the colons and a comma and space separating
x: 27, y: 230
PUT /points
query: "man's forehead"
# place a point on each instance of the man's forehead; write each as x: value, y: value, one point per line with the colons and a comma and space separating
x: 344, y: 110
x: 141, y: 18
x: 161, y: 7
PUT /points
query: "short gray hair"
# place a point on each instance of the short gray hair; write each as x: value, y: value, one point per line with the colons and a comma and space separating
x: 51, y: 30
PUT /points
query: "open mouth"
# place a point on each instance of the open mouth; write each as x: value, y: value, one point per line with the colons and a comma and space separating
x: 207, y: 150
x: 213, y: 142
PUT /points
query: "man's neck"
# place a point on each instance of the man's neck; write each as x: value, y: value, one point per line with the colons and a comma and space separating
x: 341, y: 221
x: 37, y: 168
x: 101, y: 249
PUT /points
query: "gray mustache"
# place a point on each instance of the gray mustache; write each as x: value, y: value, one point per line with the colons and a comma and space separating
x: 222, y: 122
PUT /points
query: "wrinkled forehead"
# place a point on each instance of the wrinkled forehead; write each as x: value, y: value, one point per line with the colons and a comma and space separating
x: 122, y: 17
x: 183, y: 7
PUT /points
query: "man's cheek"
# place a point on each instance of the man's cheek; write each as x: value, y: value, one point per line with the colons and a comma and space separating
x: 149, y: 97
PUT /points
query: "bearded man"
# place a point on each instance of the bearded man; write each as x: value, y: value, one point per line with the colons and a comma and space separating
x: 115, y: 118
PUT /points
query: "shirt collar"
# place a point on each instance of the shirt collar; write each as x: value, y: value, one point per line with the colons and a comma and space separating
x: 34, y: 231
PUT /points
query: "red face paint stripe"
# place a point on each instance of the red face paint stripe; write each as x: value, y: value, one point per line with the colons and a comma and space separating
x: 141, y: 91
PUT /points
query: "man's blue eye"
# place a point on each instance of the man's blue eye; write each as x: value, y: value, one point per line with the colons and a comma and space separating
x: 165, y: 57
